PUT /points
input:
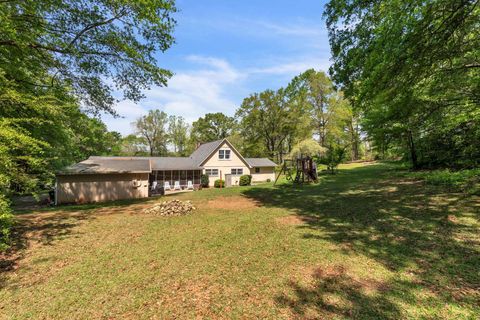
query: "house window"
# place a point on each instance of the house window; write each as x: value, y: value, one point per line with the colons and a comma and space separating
x: 211, y: 172
x: 224, y: 154
x: 257, y: 170
x: 237, y: 172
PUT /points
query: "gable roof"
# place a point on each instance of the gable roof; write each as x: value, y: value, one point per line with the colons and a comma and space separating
x: 104, y: 166
x: 207, y: 149
x: 260, y: 162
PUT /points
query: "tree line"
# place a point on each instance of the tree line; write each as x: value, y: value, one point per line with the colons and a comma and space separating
x: 267, y: 124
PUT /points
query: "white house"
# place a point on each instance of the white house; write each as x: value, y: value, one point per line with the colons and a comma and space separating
x: 112, y: 178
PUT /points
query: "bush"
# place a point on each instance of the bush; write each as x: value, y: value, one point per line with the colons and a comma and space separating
x: 219, y: 183
x: 245, y: 180
x: 332, y: 158
x: 268, y: 180
x: 467, y: 181
x: 204, y: 180
x: 6, y: 222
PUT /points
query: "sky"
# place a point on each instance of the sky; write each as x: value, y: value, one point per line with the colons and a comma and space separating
x: 226, y: 50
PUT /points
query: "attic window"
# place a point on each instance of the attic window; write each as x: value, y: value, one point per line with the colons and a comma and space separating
x: 224, y: 154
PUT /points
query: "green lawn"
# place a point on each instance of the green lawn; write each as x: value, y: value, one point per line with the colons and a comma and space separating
x: 368, y: 243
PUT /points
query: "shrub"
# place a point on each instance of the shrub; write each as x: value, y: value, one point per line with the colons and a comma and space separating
x: 204, y: 180
x: 6, y: 222
x: 245, y: 180
x: 332, y: 158
x: 467, y: 181
x: 268, y: 180
x: 219, y: 183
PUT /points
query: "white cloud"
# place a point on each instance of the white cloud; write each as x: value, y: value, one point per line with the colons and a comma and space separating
x: 299, y: 29
x: 292, y: 68
x: 190, y: 94
x: 209, y: 87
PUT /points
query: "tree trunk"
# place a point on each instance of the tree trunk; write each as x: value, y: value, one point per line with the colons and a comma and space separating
x: 413, y: 151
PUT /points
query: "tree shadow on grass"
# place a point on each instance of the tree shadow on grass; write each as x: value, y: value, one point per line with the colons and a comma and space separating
x: 401, y: 223
x: 45, y: 227
x: 334, y: 293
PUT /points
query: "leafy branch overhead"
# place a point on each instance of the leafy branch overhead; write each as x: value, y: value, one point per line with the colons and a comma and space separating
x: 93, y: 47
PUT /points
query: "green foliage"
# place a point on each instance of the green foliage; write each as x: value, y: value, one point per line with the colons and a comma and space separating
x: 411, y: 68
x: 219, y: 183
x: 270, y: 120
x: 81, y: 44
x: 332, y: 158
x: 153, y: 128
x: 177, y: 134
x: 132, y: 145
x: 6, y: 223
x: 245, y: 180
x: 467, y: 181
x: 211, y: 127
x: 204, y: 180
x: 308, y: 147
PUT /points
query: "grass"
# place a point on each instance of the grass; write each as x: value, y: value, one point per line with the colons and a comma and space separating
x: 371, y: 242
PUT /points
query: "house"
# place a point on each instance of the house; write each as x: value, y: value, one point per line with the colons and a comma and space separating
x: 111, y: 178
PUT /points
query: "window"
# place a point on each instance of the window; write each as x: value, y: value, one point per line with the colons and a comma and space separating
x: 224, y: 154
x: 237, y: 172
x: 257, y: 170
x: 211, y: 172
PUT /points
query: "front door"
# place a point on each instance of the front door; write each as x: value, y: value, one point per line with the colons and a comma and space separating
x: 228, y: 180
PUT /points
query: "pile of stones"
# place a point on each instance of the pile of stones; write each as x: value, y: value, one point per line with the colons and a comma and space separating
x: 171, y: 208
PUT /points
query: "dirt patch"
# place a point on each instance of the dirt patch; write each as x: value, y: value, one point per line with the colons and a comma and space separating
x: 232, y: 203
x: 290, y: 220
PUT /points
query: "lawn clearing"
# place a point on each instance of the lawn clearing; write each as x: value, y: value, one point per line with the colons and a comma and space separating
x: 369, y: 242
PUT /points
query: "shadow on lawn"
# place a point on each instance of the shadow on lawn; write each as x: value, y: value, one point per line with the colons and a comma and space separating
x: 44, y: 227
x: 400, y: 223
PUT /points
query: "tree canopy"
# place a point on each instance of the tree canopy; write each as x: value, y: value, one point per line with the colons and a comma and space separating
x: 89, y: 47
x: 213, y: 126
x: 412, y: 68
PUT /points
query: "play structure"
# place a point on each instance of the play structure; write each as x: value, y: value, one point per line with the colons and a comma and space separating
x: 300, y: 170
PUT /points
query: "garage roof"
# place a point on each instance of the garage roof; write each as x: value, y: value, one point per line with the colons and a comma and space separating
x: 98, y: 165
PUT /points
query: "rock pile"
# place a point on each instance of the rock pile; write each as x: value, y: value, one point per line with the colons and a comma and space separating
x: 171, y: 208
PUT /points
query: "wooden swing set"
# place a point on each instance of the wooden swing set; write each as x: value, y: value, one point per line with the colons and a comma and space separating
x: 303, y: 167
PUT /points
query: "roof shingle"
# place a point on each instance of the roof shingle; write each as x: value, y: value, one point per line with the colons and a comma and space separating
x: 260, y: 162
x: 104, y: 166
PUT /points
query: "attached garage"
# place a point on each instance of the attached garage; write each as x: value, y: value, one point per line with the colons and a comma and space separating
x: 96, y: 180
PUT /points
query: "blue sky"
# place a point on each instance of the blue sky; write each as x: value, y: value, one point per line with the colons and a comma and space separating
x: 226, y: 50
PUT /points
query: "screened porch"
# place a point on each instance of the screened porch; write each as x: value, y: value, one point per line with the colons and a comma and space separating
x: 172, y: 176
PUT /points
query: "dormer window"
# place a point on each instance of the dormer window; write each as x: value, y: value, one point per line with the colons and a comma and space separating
x: 224, y: 154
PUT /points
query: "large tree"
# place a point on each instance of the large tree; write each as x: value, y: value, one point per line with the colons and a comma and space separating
x: 213, y: 126
x: 413, y: 70
x: 91, y: 46
x: 153, y: 128
x: 268, y: 119
x: 178, y: 134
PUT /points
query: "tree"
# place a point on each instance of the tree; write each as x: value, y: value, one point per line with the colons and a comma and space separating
x: 178, y: 134
x: 152, y: 127
x: 91, y: 46
x: 268, y: 119
x: 307, y: 147
x: 330, y: 115
x: 213, y: 126
x: 317, y: 93
x: 413, y: 70
x: 132, y: 145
